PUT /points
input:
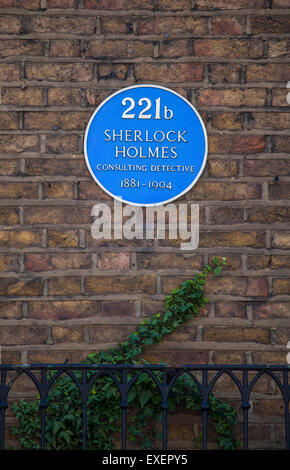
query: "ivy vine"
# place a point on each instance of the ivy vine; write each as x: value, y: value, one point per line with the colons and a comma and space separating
x: 64, y: 411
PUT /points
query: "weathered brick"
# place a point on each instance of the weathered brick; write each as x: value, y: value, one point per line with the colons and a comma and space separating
x: 61, y: 144
x: 237, y: 144
x: 117, y: 24
x: 175, y: 48
x: 22, y: 97
x: 231, y: 309
x: 56, y: 261
x: 279, y: 190
x: 63, y: 238
x: 118, y: 4
x: 55, y: 167
x: 170, y: 72
x: 18, y: 190
x: 267, y: 215
x: 281, y: 143
x: 257, y: 262
x: 224, y: 5
x: 281, y: 286
x: 177, y: 357
x: 223, y: 168
x: 96, y: 96
x: 234, y: 262
x: 18, y: 143
x: 266, y: 167
x: 237, y: 335
x: 16, y: 47
x: 12, y: 335
x: 228, y: 48
x: 168, y: 261
x: 62, y: 309
x: 9, y: 120
x: 68, y: 286
x: 237, y: 238
x: 116, y: 261
x: 270, y: 357
x: 257, y: 287
x: 21, y: 238
x: 61, y: 3
x: 61, y: 334
x: 227, y: 25
x: 174, y: 5
x: 65, y: 48
x: 61, y: 24
x: 279, y: 96
x: 10, y: 24
x: 112, y: 71
x: 58, y: 190
x: 270, y: 24
x: 229, y: 357
x: 116, y: 333
x: 57, y: 214
x: 10, y: 168
x: 278, y: 48
x: 89, y: 190
x: 21, y: 287
x: 223, y: 191
x: 227, y: 120
x: 267, y: 73
x: 225, y: 73
x: 235, y: 97
x: 281, y: 239
x: 266, y: 407
x: 9, y: 216
x: 60, y: 120
x: 172, y: 25
x: 108, y: 48
x: 119, y: 285
x: 8, y: 262
x: 269, y: 120
x: 9, y: 72
x: 120, y: 308
x: 55, y: 72
x: 10, y: 310
x: 226, y: 215
x: 271, y: 310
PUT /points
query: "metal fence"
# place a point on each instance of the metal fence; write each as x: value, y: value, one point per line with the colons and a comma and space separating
x: 205, y: 376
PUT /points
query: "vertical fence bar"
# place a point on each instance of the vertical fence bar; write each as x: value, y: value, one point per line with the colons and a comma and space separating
x: 164, y: 407
x: 245, y: 407
x: 3, y: 406
x: 84, y: 410
x: 204, y: 408
x: 124, y: 407
x: 286, y: 396
x: 43, y: 390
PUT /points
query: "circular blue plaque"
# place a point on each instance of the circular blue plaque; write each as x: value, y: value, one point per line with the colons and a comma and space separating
x: 145, y: 145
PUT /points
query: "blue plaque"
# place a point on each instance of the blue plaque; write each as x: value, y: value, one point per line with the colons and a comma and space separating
x: 145, y: 145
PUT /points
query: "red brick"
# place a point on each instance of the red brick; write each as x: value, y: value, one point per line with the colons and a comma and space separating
x: 232, y: 97
x: 57, y: 214
x: 12, y: 335
x: 68, y: 286
x: 18, y: 143
x: 268, y: 73
x: 257, y: 287
x: 62, y: 309
x: 225, y: 73
x: 270, y: 24
x: 118, y: 4
x: 62, y: 24
x: 172, y: 25
x: 8, y: 121
x: 228, y: 48
x: 57, y: 261
x: 116, y: 261
x: 225, y: 5
x: 16, y: 47
x: 107, y: 48
x: 266, y: 167
x: 65, y: 48
x: 227, y: 25
x: 120, y: 308
x: 223, y: 191
x: 10, y: 24
x: 231, y: 309
x: 271, y: 310
x: 21, y: 287
x: 122, y: 284
x: 60, y: 120
x: 55, y: 72
x: 10, y: 310
x: 22, y: 97
x: 170, y: 72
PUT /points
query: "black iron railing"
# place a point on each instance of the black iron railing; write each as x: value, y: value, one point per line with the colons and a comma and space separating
x: 124, y: 376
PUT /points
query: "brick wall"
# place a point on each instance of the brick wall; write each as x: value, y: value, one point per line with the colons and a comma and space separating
x: 64, y: 294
